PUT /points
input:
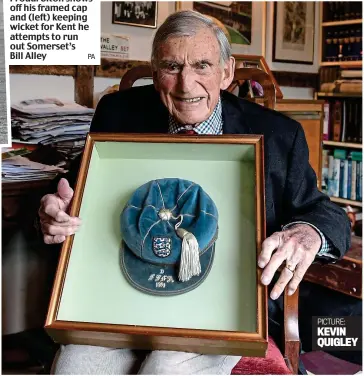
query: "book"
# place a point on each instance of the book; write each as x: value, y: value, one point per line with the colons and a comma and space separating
x: 340, y: 154
x: 325, y: 170
x: 326, y: 120
x: 349, y: 179
x: 352, y: 73
x: 353, y: 180
x: 356, y: 155
x: 330, y: 177
x: 356, y: 122
x: 360, y: 128
x: 335, y: 183
x: 359, y: 181
x: 349, y: 122
x: 337, y: 120
x: 343, y: 178
x: 343, y: 124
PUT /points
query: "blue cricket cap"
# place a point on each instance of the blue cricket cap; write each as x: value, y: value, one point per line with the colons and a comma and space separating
x: 169, y: 228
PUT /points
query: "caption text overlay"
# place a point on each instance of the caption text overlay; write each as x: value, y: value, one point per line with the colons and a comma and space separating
x: 52, y: 32
x: 337, y: 333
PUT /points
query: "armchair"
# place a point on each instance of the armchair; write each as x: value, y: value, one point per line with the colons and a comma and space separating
x: 275, y: 362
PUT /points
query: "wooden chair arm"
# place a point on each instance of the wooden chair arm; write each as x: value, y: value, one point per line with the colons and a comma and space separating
x: 291, y: 332
x: 258, y: 75
x: 134, y: 74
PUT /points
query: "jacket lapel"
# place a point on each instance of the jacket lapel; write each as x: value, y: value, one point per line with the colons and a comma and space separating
x: 159, y: 113
x: 234, y: 121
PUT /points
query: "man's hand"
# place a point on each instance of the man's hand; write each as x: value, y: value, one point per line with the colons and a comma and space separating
x: 56, y: 224
x: 297, y: 247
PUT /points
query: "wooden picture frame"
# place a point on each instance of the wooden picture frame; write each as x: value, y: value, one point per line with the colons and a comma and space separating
x: 83, y: 268
x: 135, y: 13
x: 292, y: 44
x: 258, y: 28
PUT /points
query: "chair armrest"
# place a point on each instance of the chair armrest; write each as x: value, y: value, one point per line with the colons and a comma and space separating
x: 291, y: 332
x: 134, y: 74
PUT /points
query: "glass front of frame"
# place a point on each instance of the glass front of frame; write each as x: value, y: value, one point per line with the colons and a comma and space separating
x: 95, y: 289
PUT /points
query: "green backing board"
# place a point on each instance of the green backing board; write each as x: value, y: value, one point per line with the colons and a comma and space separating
x: 95, y: 289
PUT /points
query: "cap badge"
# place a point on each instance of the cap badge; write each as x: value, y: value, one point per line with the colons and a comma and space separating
x: 162, y: 246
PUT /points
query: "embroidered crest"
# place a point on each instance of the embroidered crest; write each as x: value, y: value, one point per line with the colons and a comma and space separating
x: 162, y: 246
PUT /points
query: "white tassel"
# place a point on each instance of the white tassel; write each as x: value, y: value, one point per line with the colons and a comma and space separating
x: 190, y: 257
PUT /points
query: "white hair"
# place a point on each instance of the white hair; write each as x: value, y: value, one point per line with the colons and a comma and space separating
x: 186, y: 24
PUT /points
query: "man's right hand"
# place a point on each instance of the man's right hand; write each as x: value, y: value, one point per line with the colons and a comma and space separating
x: 56, y: 224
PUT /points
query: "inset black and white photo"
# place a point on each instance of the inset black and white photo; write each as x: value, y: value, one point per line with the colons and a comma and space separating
x: 4, y: 137
x: 135, y: 13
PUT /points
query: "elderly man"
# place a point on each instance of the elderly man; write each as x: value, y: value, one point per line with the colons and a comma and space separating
x: 192, y: 66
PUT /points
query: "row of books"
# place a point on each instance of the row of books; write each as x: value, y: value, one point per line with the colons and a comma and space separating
x: 342, y: 44
x: 342, y: 120
x: 342, y: 174
x: 339, y: 73
x: 342, y: 10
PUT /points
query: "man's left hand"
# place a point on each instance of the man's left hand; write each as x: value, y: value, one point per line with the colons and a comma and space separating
x: 297, y: 247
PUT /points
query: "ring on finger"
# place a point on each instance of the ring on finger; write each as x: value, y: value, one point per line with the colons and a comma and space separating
x: 290, y: 268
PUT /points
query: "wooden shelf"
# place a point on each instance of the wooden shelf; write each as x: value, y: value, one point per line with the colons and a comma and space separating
x: 352, y: 145
x: 346, y: 202
x: 347, y: 95
x: 342, y: 23
x: 357, y: 63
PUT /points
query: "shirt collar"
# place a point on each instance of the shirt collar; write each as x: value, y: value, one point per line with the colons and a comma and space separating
x: 212, y: 125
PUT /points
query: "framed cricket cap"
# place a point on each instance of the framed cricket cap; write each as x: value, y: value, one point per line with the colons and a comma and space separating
x: 169, y: 228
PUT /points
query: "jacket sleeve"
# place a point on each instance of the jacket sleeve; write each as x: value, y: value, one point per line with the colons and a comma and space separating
x: 101, y: 116
x: 304, y: 202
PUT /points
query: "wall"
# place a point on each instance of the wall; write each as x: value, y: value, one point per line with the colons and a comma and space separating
x: 140, y: 37
x: 25, y: 86
x: 305, y: 68
x: 28, y: 86
x: 291, y: 92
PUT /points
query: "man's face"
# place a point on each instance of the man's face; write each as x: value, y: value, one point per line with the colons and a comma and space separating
x: 189, y: 76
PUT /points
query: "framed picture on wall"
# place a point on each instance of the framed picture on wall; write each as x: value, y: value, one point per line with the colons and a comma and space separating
x: 243, y: 22
x: 135, y: 13
x: 293, y: 32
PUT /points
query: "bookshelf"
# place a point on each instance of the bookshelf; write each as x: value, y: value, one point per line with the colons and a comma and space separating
x: 341, y: 33
x: 339, y: 144
x: 339, y: 95
x: 340, y: 63
x: 340, y: 86
x: 342, y: 23
x: 346, y: 202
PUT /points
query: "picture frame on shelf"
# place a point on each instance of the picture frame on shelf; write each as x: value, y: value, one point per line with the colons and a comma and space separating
x: 135, y: 13
x: 293, y: 32
x: 253, y: 35
x: 103, y: 318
